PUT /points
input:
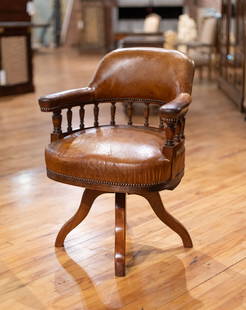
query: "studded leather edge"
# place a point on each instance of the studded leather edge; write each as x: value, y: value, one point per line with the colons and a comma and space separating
x: 65, y: 106
x: 130, y: 99
x: 125, y: 186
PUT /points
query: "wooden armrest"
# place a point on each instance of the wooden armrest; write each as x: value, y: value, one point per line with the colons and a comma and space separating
x: 177, y: 107
x: 66, y: 99
x: 173, y: 114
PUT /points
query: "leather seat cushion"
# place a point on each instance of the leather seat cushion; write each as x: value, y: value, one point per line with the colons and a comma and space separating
x: 122, y: 154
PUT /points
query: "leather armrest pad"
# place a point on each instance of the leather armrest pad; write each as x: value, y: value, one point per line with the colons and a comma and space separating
x: 63, y: 99
x: 176, y: 107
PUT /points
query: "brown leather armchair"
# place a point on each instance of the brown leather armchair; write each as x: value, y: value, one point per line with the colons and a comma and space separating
x: 122, y: 158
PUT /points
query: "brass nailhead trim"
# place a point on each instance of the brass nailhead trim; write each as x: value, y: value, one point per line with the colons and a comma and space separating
x: 98, y: 182
x: 47, y: 109
x: 130, y: 99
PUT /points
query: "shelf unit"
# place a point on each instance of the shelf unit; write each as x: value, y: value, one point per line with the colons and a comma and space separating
x: 232, y: 49
x: 131, y: 14
x: 16, y: 70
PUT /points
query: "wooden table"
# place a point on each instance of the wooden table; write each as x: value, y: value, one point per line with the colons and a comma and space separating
x: 142, y: 41
x: 15, y: 58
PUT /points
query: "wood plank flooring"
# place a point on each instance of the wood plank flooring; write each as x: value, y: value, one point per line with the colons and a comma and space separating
x: 161, y: 274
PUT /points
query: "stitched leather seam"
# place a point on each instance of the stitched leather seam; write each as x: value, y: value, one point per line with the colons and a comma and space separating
x: 90, y: 181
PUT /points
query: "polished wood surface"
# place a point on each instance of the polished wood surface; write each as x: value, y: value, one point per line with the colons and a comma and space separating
x: 120, y: 234
x: 163, y: 275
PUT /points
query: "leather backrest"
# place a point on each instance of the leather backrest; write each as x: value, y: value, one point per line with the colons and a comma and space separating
x: 143, y: 73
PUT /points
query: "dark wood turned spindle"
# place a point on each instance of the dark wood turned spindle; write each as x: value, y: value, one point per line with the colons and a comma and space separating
x: 129, y: 112
x: 57, y: 121
x: 96, y: 112
x: 82, y: 116
x: 178, y: 131
x: 69, y: 120
x: 170, y: 131
x: 146, y: 115
x: 182, y: 120
x: 113, y: 109
x: 161, y: 124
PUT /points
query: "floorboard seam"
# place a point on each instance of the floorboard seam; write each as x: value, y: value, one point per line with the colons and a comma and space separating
x: 208, y: 279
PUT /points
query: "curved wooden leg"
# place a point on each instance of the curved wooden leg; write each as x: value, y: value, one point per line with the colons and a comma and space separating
x: 156, y: 204
x: 120, y: 234
x: 86, y: 202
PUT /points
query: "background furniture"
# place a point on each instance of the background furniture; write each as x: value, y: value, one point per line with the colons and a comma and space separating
x: 16, y: 73
x: 232, y: 41
x: 97, y: 31
x: 142, y: 41
x: 195, y: 7
x: 150, y: 37
x: 14, y: 11
x: 204, y: 48
x: 132, y: 14
x: 134, y: 159
x: 104, y: 22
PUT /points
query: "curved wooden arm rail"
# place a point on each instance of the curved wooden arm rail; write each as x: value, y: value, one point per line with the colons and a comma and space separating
x: 123, y: 158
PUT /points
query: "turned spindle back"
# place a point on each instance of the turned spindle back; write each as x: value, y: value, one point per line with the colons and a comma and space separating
x: 134, y: 76
x: 70, y: 126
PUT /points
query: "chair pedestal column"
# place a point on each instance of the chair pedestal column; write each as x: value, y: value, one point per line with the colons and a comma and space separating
x: 120, y: 234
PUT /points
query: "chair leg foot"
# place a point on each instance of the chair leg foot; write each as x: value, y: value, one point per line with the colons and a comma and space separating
x: 86, y: 202
x: 155, y: 201
x: 120, y: 234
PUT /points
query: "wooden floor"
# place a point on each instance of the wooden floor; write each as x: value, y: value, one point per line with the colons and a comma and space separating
x: 161, y: 274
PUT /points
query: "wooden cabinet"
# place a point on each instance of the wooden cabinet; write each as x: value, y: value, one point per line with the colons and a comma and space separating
x: 16, y: 75
x: 15, y: 48
x: 13, y: 11
x: 232, y: 50
x: 98, y: 23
